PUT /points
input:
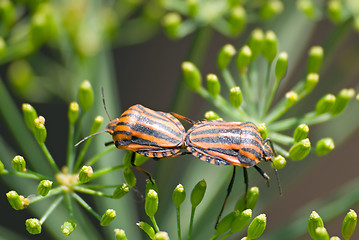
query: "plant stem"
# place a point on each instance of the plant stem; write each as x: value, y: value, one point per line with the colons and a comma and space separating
x: 70, y: 146
x: 191, y: 223
x: 90, y: 191
x: 155, y: 226
x: 228, y: 79
x: 70, y: 206
x: 86, y: 206
x: 101, y: 172
x: 27, y: 174
x: 51, y: 209
x: 49, y: 158
x: 179, y: 222
x: 51, y: 193
x: 94, y: 159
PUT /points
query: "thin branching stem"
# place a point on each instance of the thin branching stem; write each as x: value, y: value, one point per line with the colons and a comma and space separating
x: 51, y: 209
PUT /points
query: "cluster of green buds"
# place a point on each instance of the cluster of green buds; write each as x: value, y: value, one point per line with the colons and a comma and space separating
x: 244, y: 84
x: 73, y: 178
x: 226, y: 17
x: 317, y: 231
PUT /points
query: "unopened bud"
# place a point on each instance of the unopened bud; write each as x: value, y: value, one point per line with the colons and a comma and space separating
x: 314, y: 222
x: 73, y: 112
x: 271, y: 9
x: 324, y: 146
x: 335, y: 10
x: 121, y: 191
x: 241, y: 220
x: 256, y: 42
x: 269, y: 49
x: 191, y: 75
x: 129, y: 177
x: 44, y: 187
x: 17, y: 202
x: 315, y: 59
x: 213, y: 85
x: 108, y: 217
x: 257, y: 226
x: 179, y: 195
x: 120, y: 234
x: 85, y: 174
x: 243, y: 59
x: 300, y: 150
x: 225, y: 224
x: 301, y: 132
x: 311, y: 82
x: 171, y: 22
x: 237, y: 19
x: 342, y: 100
x: 263, y: 130
x: 308, y: 8
x: 279, y: 162
x: 325, y: 104
x: 86, y: 96
x: 281, y: 65
x: 151, y: 203
x: 19, y: 164
x: 225, y: 55
x: 252, y: 198
x: 198, y: 192
x: 33, y: 226
x: 292, y: 98
x: 147, y: 229
x: 235, y: 97
x: 349, y: 224
x: 210, y: 115
x: 68, y: 227
x: 29, y: 115
x: 162, y: 236
x: 40, y: 130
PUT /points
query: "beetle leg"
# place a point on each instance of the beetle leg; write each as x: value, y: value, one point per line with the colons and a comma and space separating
x: 133, y: 157
x: 264, y: 175
x: 229, y: 190
x: 245, y: 174
x: 109, y: 143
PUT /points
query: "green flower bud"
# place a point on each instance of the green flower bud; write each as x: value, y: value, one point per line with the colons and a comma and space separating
x: 314, y: 222
x: 300, y: 150
x: 325, y: 104
x: 21, y: 78
x: 243, y: 59
x: 85, y: 96
x: 356, y: 23
x: 29, y: 115
x: 120, y: 234
x: 279, y: 162
x: 300, y: 132
x: 2, y: 168
x: 342, y: 100
x: 225, y: 55
x: 335, y: 10
x: 2, y: 47
x: 357, y: 97
x: 179, y: 195
x: 19, y: 164
x: 68, y: 227
x: 263, y: 130
x: 147, y: 229
x: 349, y: 224
x: 271, y: 8
x: 311, y: 81
x: 235, y: 97
x: 96, y: 124
x: 151, y: 203
x: 192, y: 7
x: 281, y: 65
x: 191, y: 75
x: 129, y: 177
x: 171, y: 23
x: 237, y: 20
x: 213, y: 85
x: 7, y: 13
x: 315, y: 59
x: 198, y: 192
x: 40, y: 130
x: 225, y: 224
x: 334, y: 238
x: 85, y: 174
x: 44, y: 187
x: 73, y: 112
x: 108, y: 217
x: 162, y: 236
x: 321, y: 234
x: 33, y: 226
x: 324, y: 146
x: 38, y: 28
x: 257, y: 226
x: 150, y: 185
x: 241, y: 220
x: 252, y: 198
x: 308, y: 8
x: 210, y: 115
x: 292, y: 98
x: 256, y: 42
x: 17, y: 202
x: 269, y: 49
x: 120, y: 191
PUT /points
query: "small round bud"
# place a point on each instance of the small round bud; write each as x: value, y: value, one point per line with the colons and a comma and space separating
x: 334, y: 238
x: 269, y: 49
x: 7, y: 13
x: 324, y: 146
x: 192, y: 7
x: 256, y: 42
x: 321, y: 234
x: 162, y: 236
x: 300, y: 150
x: 356, y: 23
x: 73, y: 112
x: 210, y: 115
x: 281, y: 65
x: 129, y: 177
x: 2, y: 47
x: 171, y: 22
x: 68, y: 227
x: 33, y: 226
x: 349, y: 224
x: 40, y: 130
x: 301, y: 132
x: 241, y: 220
x: 279, y: 162
x: 271, y: 9
x: 342, y: 100
x: 179, y: 195
x: 263, y: 130
x: 308, y: 8
x: 225, y: 55
x: 315, y: 59
x: 29, y: 115
x: 147, y: 229
x: 311, y: 82
x: 19, y: 164
x: 335, y: 10
x: 252, y: 198
x: 2, y: 168
x: 213, y: 85
x: 257, y: 226
x: 151, y: 185
x: 16, y: 201
x: 121, y: 191
x: 85, y: 174
x: 108, y: 217
x: 325, y: 104
x: 120, y: 234
x: 191, y: 75
x: 237, y: 19
x: 96, y: 124
x: 151, y: 203
x: 292, y: 98
x: 44, y: 187
x: 235, y: 97
x: 198, y: 192
x: 225, y: 224
x: 243, y: 59
x: 314, y: 222
x: 85, y: 95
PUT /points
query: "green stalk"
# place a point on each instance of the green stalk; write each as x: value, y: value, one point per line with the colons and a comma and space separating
x: 101, y: 172
x: 70, y: 147
x: 69, y: 204
x: 155, y: 226
x: 27, y: 174
x: 49, y: 157
x: 52, y: 192
x: 86, y: 206
x: 247, y: 93
x: 264, y: 90
x: 191, y: 223
x: 281, y: 138
x: 51, y: 209
x: 94, y: 159
x: 228, y: 79
x: 91, y: 192
x: 179, y: 222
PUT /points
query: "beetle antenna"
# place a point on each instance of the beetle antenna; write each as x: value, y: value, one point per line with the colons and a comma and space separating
x: 85, y: 138
x: 104, y: 103
x: 277, y: 177
x: 183, y: 118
